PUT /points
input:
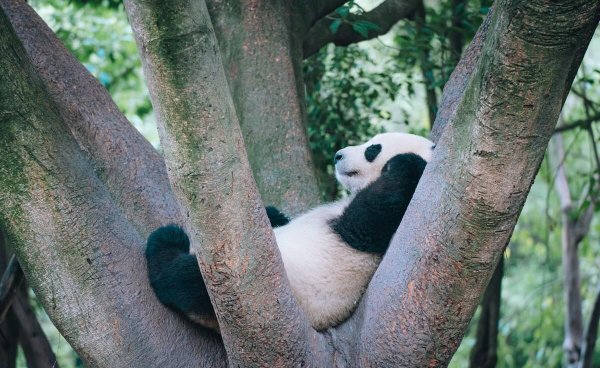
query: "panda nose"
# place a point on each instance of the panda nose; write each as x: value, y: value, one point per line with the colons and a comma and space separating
x: 338, y: 156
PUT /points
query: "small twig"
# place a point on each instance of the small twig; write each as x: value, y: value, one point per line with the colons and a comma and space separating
x: 582, y: 123
x: 9, y: 284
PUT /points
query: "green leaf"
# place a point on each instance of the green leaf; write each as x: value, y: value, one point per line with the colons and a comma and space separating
x: 360, y: 29
x: 335, y: 25
x: 343, y: 11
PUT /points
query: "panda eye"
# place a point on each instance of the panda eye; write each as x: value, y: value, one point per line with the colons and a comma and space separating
x: 372, y: 151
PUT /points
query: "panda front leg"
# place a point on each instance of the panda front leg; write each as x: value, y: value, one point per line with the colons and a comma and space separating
x: 372, y: 217
x: 175, y: 275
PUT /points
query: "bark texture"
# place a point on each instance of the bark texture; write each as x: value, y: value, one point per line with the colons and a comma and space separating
x: 473, y: 190
x: 260, y: 44
x: 260, y: 321
x: 77, y: 247
x: 64, y: 198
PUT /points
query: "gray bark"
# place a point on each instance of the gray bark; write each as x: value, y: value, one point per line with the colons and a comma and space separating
x: 473, y: 190
x: 261, y: 49
x: 87, y: 265
x: 211, y: 177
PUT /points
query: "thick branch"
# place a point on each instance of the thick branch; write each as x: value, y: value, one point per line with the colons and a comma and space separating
x: 472, y: 192
x: 384, y: 16
x: 454, y: 89
x: 259, y: 319
x: 260, y: 44
x: 87, y: 264
x: 125, y: 162
x: 317, y: 9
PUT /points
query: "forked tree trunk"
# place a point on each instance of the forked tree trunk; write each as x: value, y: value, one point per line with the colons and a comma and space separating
x: 78, y: 202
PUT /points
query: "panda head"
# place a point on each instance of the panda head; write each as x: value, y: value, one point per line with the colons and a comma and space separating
x: 357, y: 166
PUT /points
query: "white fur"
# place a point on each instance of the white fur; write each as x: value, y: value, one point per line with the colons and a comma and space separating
x: 327, y: 276
x: 392, y: 144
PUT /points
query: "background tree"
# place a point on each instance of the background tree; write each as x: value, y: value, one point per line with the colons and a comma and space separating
x: 62, y: 144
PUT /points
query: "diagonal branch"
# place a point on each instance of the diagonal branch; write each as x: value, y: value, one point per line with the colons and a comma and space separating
x: 581, y: 123
x: 87, y: 264
x: 133, y: 172
x: 384, y: 16
x: 468, y: 201
x: 259, y: 319
x: 454, y: 89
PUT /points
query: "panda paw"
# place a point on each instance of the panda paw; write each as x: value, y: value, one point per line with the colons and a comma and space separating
x: 167, y: 238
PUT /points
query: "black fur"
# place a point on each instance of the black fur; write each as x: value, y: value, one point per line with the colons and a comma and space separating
x: 372, y: 152
x: 371, y: 219
x: 276, y: 217
x: 174, y: 273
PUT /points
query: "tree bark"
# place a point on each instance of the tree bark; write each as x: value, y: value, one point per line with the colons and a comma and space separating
x: 261, y: 48
x: 128, y: 166
x: 260, y: 321
x: 484, y: 354
x: 472, y: 192
x: 454, y: 89
x: 87, y: 265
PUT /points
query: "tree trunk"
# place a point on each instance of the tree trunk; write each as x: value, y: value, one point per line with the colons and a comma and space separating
x: 211, y: 177
x: 261, y: 49
x: 79, y: 250
x: 88, y: 211
x: 470, y: 196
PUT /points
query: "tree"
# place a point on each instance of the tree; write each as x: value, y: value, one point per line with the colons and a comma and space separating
x: 80, y: 188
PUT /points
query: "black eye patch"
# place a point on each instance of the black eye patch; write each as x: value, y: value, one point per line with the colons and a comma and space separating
x: 372, y: 151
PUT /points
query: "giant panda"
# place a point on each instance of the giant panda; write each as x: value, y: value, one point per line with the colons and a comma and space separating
x: 329, y: 253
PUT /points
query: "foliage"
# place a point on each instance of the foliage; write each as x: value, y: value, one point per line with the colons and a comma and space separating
x: 425, y: 42
x: 345, y: 94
